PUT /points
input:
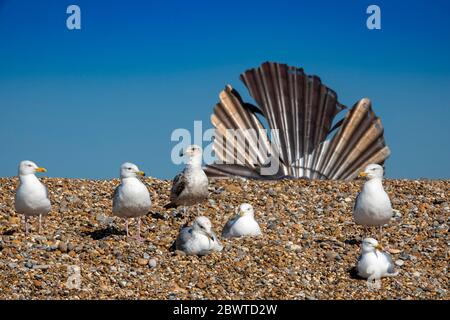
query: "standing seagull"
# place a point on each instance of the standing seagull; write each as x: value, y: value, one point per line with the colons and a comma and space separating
x: 373, y: 262
x: 131, y: 197
x: 199, y: 239
x: 31, y: 195
x: 191, y: 185
x: 243, y: 224
x: 372, y: 205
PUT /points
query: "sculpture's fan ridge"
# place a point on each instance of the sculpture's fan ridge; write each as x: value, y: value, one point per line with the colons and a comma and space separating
x: 300, y: 111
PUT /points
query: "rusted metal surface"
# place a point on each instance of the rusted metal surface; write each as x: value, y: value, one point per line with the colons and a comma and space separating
x: 302, y: 109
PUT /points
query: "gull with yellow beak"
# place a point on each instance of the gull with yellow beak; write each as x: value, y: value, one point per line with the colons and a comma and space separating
x: 373, y: 262
x: 131, y: 198
x: 372, y: 205
x: 243, y: 224
x: 31, y: 195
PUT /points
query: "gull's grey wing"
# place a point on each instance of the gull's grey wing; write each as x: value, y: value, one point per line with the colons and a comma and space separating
x: 227, y: 227
x: 115, y: 198
x: 183, y: 238
x: 356, y: 200
x: 178, y: 186
x: 391, y: 268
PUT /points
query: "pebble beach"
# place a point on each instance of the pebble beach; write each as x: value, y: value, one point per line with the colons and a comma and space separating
x: 308, y: 249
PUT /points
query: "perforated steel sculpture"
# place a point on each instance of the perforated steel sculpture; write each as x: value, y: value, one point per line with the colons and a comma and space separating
x: 306, y: 144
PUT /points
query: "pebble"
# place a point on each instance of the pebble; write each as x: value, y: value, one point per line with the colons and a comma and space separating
x: 309, y: 244
x: 142, y: 261
x: 399, y: 262
x: 62, y: 247
x: 152, y: 263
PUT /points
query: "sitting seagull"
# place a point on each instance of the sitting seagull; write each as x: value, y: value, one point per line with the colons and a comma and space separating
x: 374, y: 263
x: 243, y: 224
x: 31, y: 195
x: 131, y: 197
x: 372, y: 205
x: 199, y: 239
x: 190, y: 186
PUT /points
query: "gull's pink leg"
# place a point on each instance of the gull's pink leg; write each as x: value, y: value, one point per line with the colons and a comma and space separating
x: 138, y: 235
x: 40, y: 224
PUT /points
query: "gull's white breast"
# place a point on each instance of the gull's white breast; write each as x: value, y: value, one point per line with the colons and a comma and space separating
x: 373, y: 207
x: 243, y: 226
x: 373, y: 264
x: 131, y: 199
x: 32, y: 197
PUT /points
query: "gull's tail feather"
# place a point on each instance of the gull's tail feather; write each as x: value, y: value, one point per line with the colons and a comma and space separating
x: 300, y: 111
x: 170, y: 205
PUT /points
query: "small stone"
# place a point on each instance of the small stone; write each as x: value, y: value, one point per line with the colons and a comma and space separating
x: 180, y: 253
x: 152, y: 263
x: 41, y: 266
x: 331, y: 255
x: 146, y: 256
x: 14, y: 220
x: 62, y: 247
x: 399, y: 262
x: 70, y: 247
x: 37, y: 283
x: 142, y: 261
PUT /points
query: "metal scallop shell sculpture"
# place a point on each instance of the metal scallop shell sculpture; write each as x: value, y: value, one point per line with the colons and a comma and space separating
x: 302, y: 141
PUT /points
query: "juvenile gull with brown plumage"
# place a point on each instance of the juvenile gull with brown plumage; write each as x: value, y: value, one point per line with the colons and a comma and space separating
x: 190, y: 187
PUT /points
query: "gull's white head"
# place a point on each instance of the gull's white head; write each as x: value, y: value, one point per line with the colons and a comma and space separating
x: 29, y: 167
x: 370, y: 245
x: 246, y: 210
x: 130, y: 170
x: 194, y: 154
x: 372, y: 171
x: 203, y: 225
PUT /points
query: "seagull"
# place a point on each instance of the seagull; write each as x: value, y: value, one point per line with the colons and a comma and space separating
x: 190, y: 187
x: 243, y: 224
x: 372, y: 205
x: 131, y: 198
x: 198, y: 239
x: 374, y: 263
x: 31, y: 195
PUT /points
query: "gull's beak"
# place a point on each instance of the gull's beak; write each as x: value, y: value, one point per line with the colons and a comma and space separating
x: 209, y: 235
x: 41, y: 169
x: 141, y: 173
x: 363, y: 174
x: 379, y: 247
x: 241, y: 213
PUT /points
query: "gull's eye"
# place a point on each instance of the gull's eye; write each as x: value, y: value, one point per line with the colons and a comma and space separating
x: 129, y: 168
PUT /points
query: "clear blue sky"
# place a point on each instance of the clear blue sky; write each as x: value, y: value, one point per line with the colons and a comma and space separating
x: 82, y: 102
